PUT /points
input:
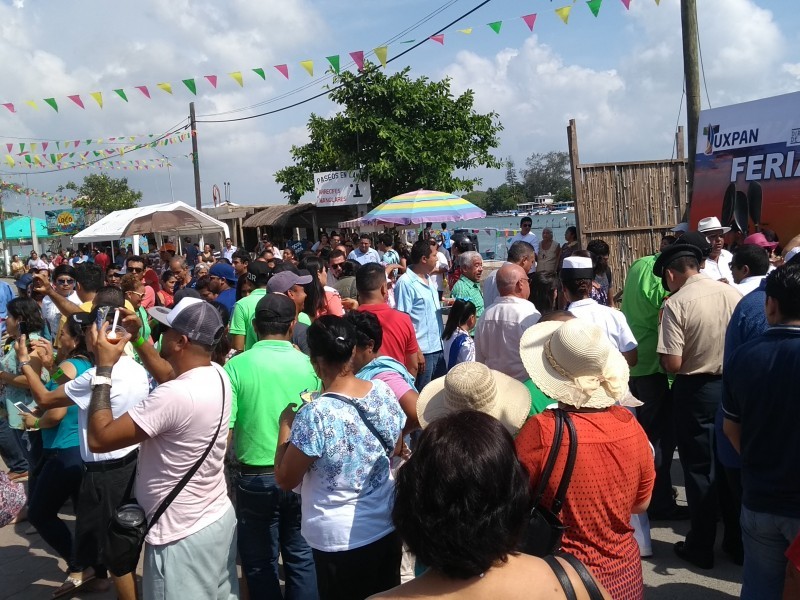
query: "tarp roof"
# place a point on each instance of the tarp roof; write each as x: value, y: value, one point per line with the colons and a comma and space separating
x: 172, y: 217
x: 276, y: 216
x: 19, y: 228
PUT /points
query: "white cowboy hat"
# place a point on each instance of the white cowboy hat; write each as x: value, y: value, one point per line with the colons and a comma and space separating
x: 474, y: 386
x: 573, y: 362
x: 710, y: 224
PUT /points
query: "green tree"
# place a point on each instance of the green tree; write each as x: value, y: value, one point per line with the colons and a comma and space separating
x: 546, y: 173
x: 564, y: 195
x: 499, y: 199
x: 100, y: 195
x: 402, y: 133
x: 477, y: 197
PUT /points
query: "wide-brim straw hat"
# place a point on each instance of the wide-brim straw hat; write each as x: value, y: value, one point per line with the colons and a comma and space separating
x: 474, y: 386
x: 574, y: 363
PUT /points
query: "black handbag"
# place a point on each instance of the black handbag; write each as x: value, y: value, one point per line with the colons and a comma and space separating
x: 543, y: 534
x: 128, y: 525
x: 586, y: 578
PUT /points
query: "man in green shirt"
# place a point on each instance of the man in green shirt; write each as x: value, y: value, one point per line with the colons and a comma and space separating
x: 242, y: 333
x: 468, y: 287
x: 264, y: 380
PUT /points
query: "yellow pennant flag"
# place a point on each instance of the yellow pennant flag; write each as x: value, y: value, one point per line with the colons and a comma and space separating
x: 237, y: 77
x: 10, y: 160
x: 308, y: 65
x: 563, y: 12
x: 167, y: 87
x: 98, y: 97
x: 381, y: 52
x: 33, y: 147
x: 466, y: 31
x: 32, y: 104
x: 36, y: 159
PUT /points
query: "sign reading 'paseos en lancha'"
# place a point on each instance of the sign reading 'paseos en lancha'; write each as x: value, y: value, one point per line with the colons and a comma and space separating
x: 65, y: 221
x: 341, y: 188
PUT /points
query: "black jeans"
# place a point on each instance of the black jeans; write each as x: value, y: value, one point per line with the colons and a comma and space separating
x: 14, y: 454
x: 58, y: 477
x: 656, y: 418
x: 361, y: 572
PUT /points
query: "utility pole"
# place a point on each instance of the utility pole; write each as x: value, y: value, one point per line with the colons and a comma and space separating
x: 195, y: 158
x: 6, y: 257
x: 691, y: 74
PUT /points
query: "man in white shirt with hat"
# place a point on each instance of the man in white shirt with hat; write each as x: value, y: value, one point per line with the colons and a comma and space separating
x: 718, y: 262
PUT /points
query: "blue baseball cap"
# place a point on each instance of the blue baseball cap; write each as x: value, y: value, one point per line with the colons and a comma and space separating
x: 223, y: 271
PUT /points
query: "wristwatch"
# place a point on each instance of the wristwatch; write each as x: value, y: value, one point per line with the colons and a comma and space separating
x: 100, y: 380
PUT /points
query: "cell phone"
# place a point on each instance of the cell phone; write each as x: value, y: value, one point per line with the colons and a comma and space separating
x: 102, y: 316
x: 22, y: 328
x: 23, y: 408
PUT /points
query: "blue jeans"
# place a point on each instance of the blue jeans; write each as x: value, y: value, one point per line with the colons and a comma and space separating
x: 269, y: 522
x: 11, y: 450
x: 766, y: 538
x: 434, y: 368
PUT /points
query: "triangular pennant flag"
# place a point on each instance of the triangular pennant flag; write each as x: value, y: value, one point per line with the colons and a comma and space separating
x: 52, y: 102
x: 167, y: 87
x: 237, y: 77
x: 121, y: 94
x: 144, y: 90
x: 9, y: 147
x: 53, y: 159
x: 333, y: 60
x: 10, y: 160
x: 76, y: 143
x: 32, y: 104
x: 594, y: 6
x: 496, y: 26
x: 260, y: 72
x: 658, y: 2
x: 22, y: 148
x: 34, y: 146
x: 358, y: 58
x: 10, y: 107
x: 98, y: 97
x: 37, y: 160
x: 530, y: 20
x: 212, y: 79
x: 28, y: 158
x: 563, y: 12
x: 283, y: 69
x: 466, y: 31
x: 438, y: 38
x: 77, y: 100
x: 189, y: 83
x: 627, y: 4
x: 308, y: 65
x: 381, y: 52
x: 44, y: 146
x: 88, y: 142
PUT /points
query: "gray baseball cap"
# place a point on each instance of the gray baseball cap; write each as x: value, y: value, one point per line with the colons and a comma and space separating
x: 192, y: 317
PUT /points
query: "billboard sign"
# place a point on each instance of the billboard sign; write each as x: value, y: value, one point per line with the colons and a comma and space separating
x: 341, y: 188
x: 747, y: 166
x: 65, y: 222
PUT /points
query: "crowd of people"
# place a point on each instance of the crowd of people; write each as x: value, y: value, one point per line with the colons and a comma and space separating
x: 359, y: 421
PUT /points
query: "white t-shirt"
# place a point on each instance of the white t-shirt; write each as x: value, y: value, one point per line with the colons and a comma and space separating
x: 129, y: 386
x: 441, y: 263
x: 720, y: 268
x: 610, y: 320
x: 180, y: 417
x: 51, y: 313
x: 466, y: 353
x: 228, y: 252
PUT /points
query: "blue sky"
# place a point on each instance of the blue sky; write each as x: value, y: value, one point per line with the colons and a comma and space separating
x: 619, y: 75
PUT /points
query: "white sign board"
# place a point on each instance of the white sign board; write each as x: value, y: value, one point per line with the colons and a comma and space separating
x: 341, y: 188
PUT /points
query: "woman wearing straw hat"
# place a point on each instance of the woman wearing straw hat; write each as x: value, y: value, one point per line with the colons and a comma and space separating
x: 574, y: 363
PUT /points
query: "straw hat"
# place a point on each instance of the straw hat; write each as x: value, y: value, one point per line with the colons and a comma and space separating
x: 474, y: 386
x: 710, y: 224
x: 573, y: 362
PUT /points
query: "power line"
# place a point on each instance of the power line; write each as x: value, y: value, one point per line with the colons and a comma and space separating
x: 702, y: 68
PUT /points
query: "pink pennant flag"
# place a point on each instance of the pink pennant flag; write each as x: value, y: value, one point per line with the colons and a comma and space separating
x: 44, y: 146
x: 76, y: 143
x: 627, y: 4
x: 10, y: 107
x: 212, y: 79
x: 77, y: 100
x: 438, y: 38
x: 144, y: 90
x: 530, y: 20
x: 283, y: 69
x: 10, y: 147
x: 358, y: 58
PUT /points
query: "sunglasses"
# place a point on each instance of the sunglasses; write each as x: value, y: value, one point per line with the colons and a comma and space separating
x: 135, y: 270
x: 140, y: 294
x: 337, y: 266
x: 65, y: 281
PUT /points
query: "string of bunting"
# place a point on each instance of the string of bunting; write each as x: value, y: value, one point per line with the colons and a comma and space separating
x: 381, y: 53
x: 6, y: 186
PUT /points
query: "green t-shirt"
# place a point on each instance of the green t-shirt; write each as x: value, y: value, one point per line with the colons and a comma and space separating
x: 641, y: 302
x: 264, y: 380
x: 538, y: 400
x: 242, y: 319
x: 304, y: 319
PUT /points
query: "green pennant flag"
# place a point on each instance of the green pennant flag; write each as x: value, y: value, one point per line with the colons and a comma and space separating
x: 52, y: 103
x: 496, y: 26
x: 334, y: 60
x: 53, y: 158
x: 121, y: 94
x: 189, y: 83
x: 22, y: 147
x: 594, y: 6
x: 260, y: 72
x: 58, y: 145
x: 28, y: 158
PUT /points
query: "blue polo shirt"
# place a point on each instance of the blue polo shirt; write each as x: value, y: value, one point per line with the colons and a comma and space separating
x: 760, y: 393
x: 419, y: 298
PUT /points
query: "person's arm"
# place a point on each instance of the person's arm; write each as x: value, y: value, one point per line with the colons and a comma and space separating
x: 671, y: 343
x: 290, y: 463
x: 408, y: 402
x: 733, y: 431
x: 237, y: 342
x: 412, y: 363
x: 44, y: 398
x: 158, y: 367
x: 51, y: 418
x: 64, y: 305
x: 631, y: 357
x: 21, y: 381
x: 670, y: 362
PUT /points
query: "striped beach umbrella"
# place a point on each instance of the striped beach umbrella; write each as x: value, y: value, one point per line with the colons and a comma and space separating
x: 423, y: 206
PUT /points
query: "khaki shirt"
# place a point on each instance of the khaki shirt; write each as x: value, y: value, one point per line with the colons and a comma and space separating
x: 693, y: 324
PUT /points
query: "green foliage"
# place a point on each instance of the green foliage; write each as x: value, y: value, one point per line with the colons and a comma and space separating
x: 546, y: 173
x: 500, y: 198
x: 564, y: 195
x: 477, y: 197
x: 100, y: 194
x: 404, y: 134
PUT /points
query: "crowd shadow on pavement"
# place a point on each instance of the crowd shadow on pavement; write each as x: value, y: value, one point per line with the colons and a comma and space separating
x: 671, y: 591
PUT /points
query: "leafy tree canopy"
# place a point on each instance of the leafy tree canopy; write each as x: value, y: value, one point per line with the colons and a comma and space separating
x: 101, y: 194
x: 404, y: 134
x: 546, y: 173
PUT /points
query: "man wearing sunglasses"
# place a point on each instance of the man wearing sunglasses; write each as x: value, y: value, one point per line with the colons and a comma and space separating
x: 113, y: 276
x: 135, y: 265
x: 335, y: 263
x: 63, y: 287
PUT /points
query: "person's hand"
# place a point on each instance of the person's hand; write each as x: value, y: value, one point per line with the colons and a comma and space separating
x: 106, y: 354
x: 130, y: 321
x: 21, y: 347
x: 29, y: 420
x: 288, y: 414
x: 41, y: 284
x: 420, y: 363
x: 44, y: 350
x: 349, y: 303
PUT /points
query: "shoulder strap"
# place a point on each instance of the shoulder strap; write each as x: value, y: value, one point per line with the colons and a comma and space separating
x: 588, y: 581
x: 388, y: 448
x: 551, y: 458
x: 190, y: 473
x: 561, y: 575
x: 558, y: 501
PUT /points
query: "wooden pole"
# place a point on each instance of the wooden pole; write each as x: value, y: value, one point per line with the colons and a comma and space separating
x: 691, y: 73
x: 577, y: 188
x: 195, y: 158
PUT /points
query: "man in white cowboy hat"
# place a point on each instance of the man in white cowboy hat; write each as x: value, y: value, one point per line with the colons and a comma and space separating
x: 693, y: 324
x: 718, y: 262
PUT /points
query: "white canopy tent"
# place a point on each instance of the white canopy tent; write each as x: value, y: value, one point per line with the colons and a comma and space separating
x: 176, y: 218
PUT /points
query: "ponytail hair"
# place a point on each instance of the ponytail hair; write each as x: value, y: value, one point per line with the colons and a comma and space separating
x: 460, y: 313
